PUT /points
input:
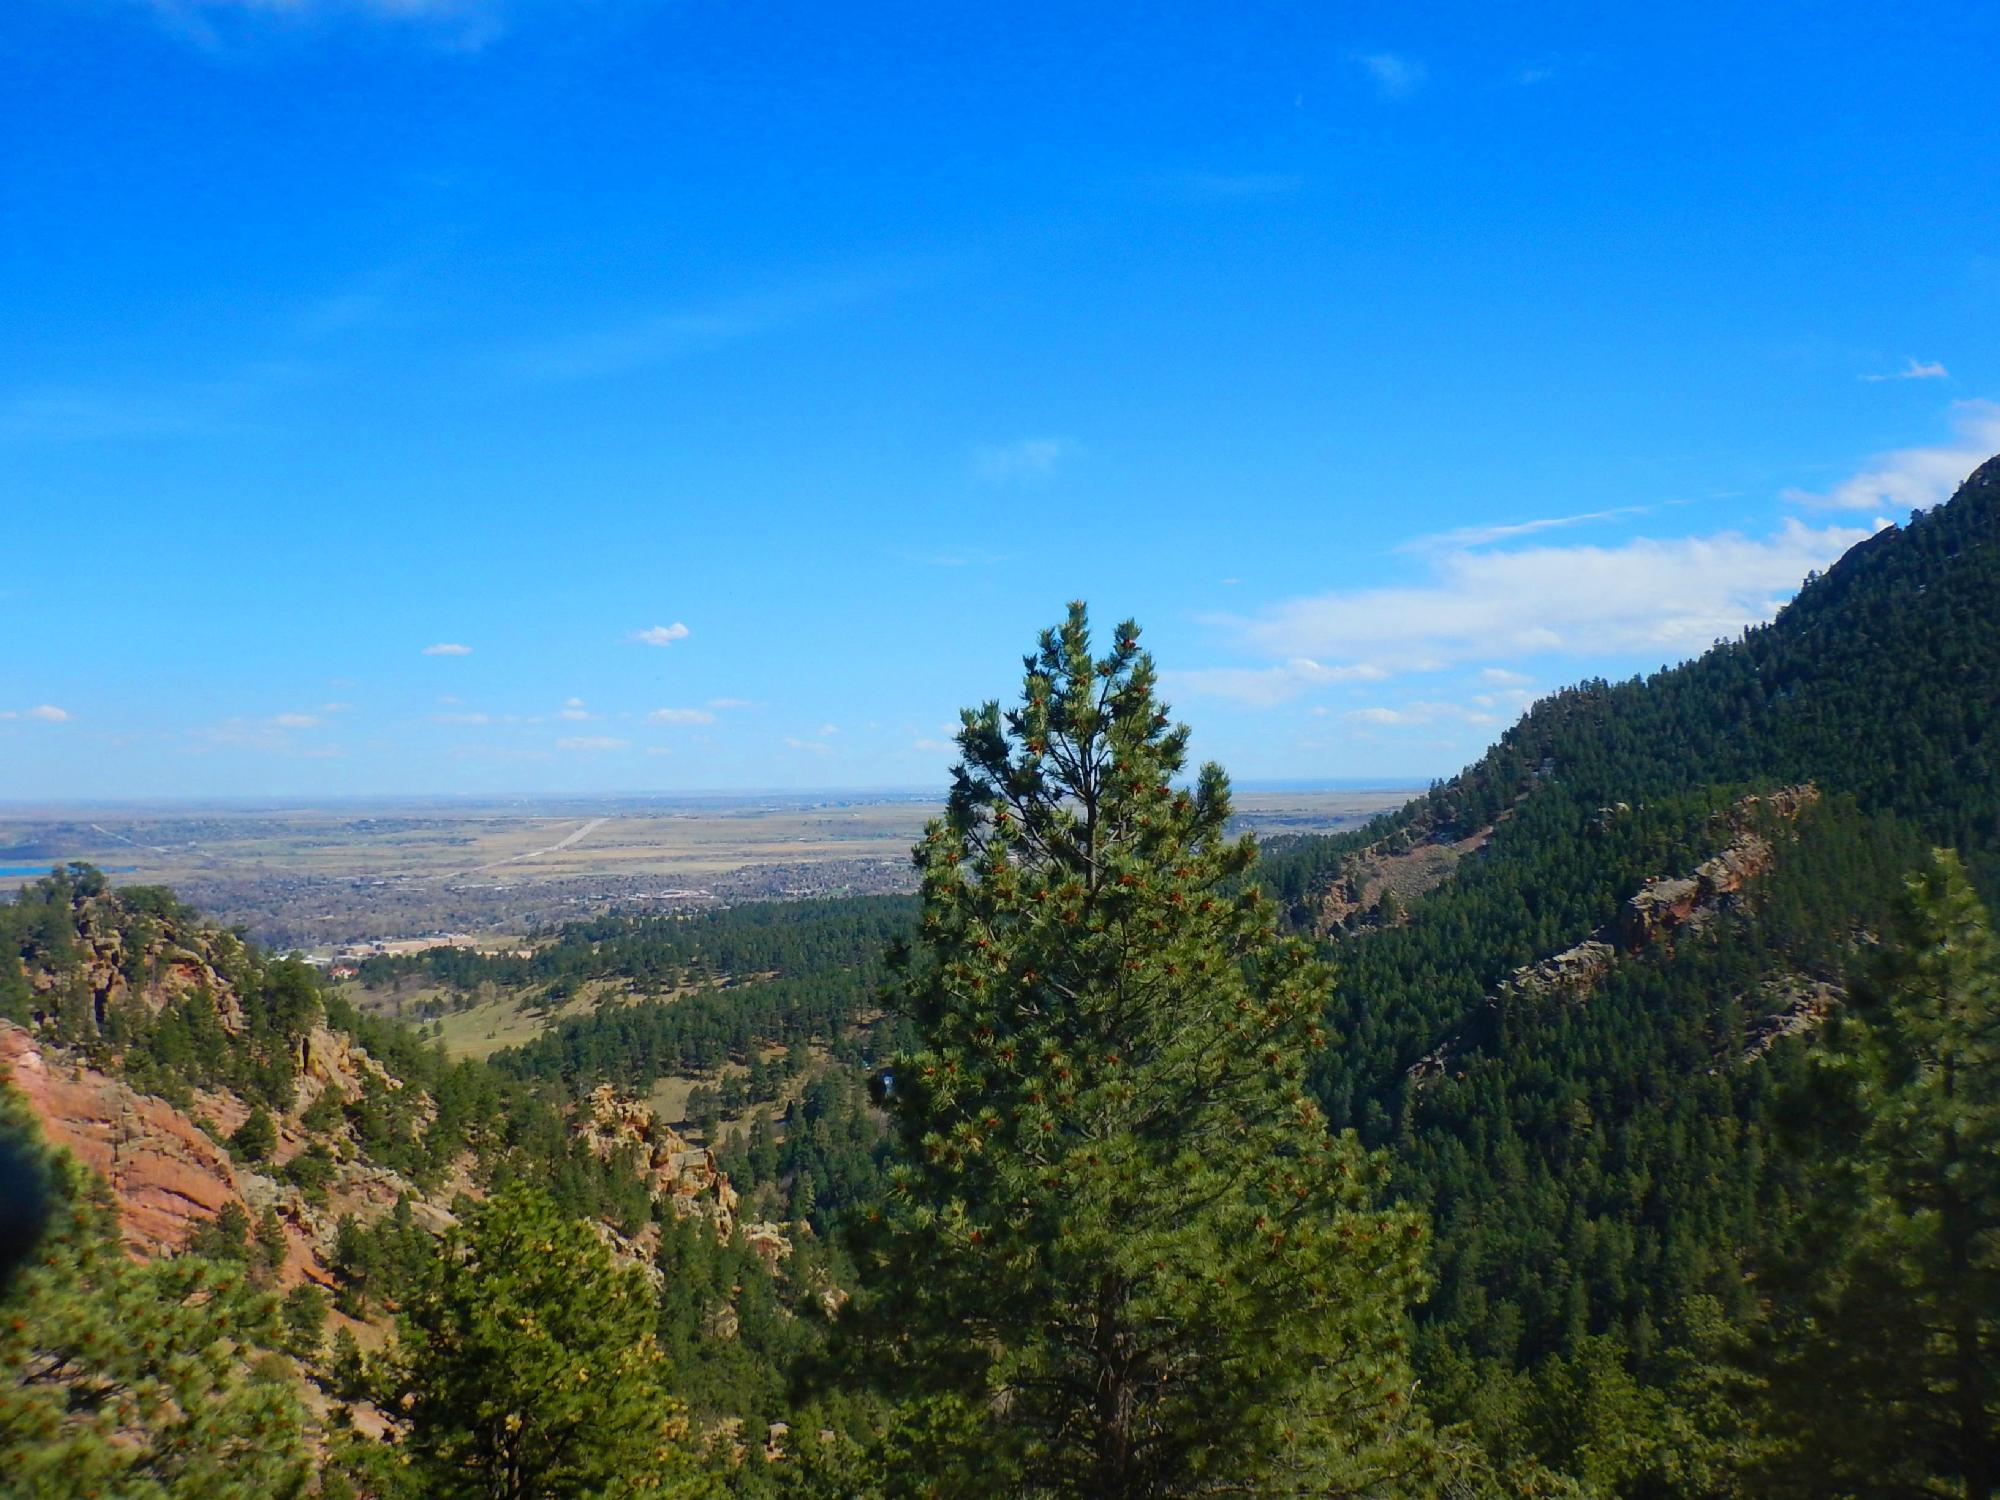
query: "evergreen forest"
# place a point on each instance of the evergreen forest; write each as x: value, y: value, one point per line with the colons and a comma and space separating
x: 1646, y: 1146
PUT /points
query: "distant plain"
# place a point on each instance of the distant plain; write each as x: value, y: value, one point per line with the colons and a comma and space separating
x: 327, y: 875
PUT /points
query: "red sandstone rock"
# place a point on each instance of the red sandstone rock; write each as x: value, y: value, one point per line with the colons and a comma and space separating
x: 167, y: 1175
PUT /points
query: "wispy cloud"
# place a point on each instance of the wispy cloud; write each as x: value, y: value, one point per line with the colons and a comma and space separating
x: 1011, y: 463
x: 447, y: 648
x: 969, y: 559
x: 661, y: 635
x: 1913, y: 369
x: 1198, y: 186
x: 472, y: 719
x: 457, y: 25
x: 1395, y: 76
x: 573, y: 708
x: 658, y: 337
x: 729, y: 703
x: 81, y: 416
x: 44, y: 713
x: 1914, y: 478
x: 276, y: 735
x: 810, y: 747
x: 1484, y: 536
x: 680, y: 716
x: 592, y: 743
x: 1548, y: 67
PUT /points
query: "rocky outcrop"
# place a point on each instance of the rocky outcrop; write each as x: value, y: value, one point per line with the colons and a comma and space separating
x: 1790, y: 1006
x: 768, y: 1241
x: 1653, y: 915
x: 330, y: 1060
x: 1572, y: 973
x: 683, y: 1174
x: 1402, y: 869
x: 167, y: 966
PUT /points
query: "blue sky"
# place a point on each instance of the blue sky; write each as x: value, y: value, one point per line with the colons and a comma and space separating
x: 736, y: 389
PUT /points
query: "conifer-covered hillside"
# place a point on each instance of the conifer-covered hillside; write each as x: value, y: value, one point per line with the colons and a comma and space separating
x: 1579, y: 1030
x: 286, y: 1177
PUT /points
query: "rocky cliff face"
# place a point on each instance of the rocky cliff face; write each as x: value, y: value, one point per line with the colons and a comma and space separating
x: 1652, y: 916
x: 166, y: 1174
x: 1404, y: 868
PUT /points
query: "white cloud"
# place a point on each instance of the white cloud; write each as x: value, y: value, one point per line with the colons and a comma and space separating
x: 1421, y: 712
x: 811, y: 747
x: 728, y: 703
x: 827, y: 729
x: 680, y: 716
x: 592, y: 742
x: 662, y: 635
x: 573, y: 709
x: 659, y: 750
x: 1913, y: 478
x: 1665, y: 598
x: 1503, y: 677
x: 1029, y: 459
x: 296, y: 721
x: 447, y: 648
x: 336, y: 708
x: 935, y: 746
x: 1913, y: 369
x: 1396, y: 76
x: 1265, y: 687
x: 48, y: 713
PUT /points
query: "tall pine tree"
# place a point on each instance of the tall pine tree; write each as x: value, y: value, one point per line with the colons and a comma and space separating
x: 1122, y: 1239
x: 1885, y: 1340
x: 529, y: 1366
